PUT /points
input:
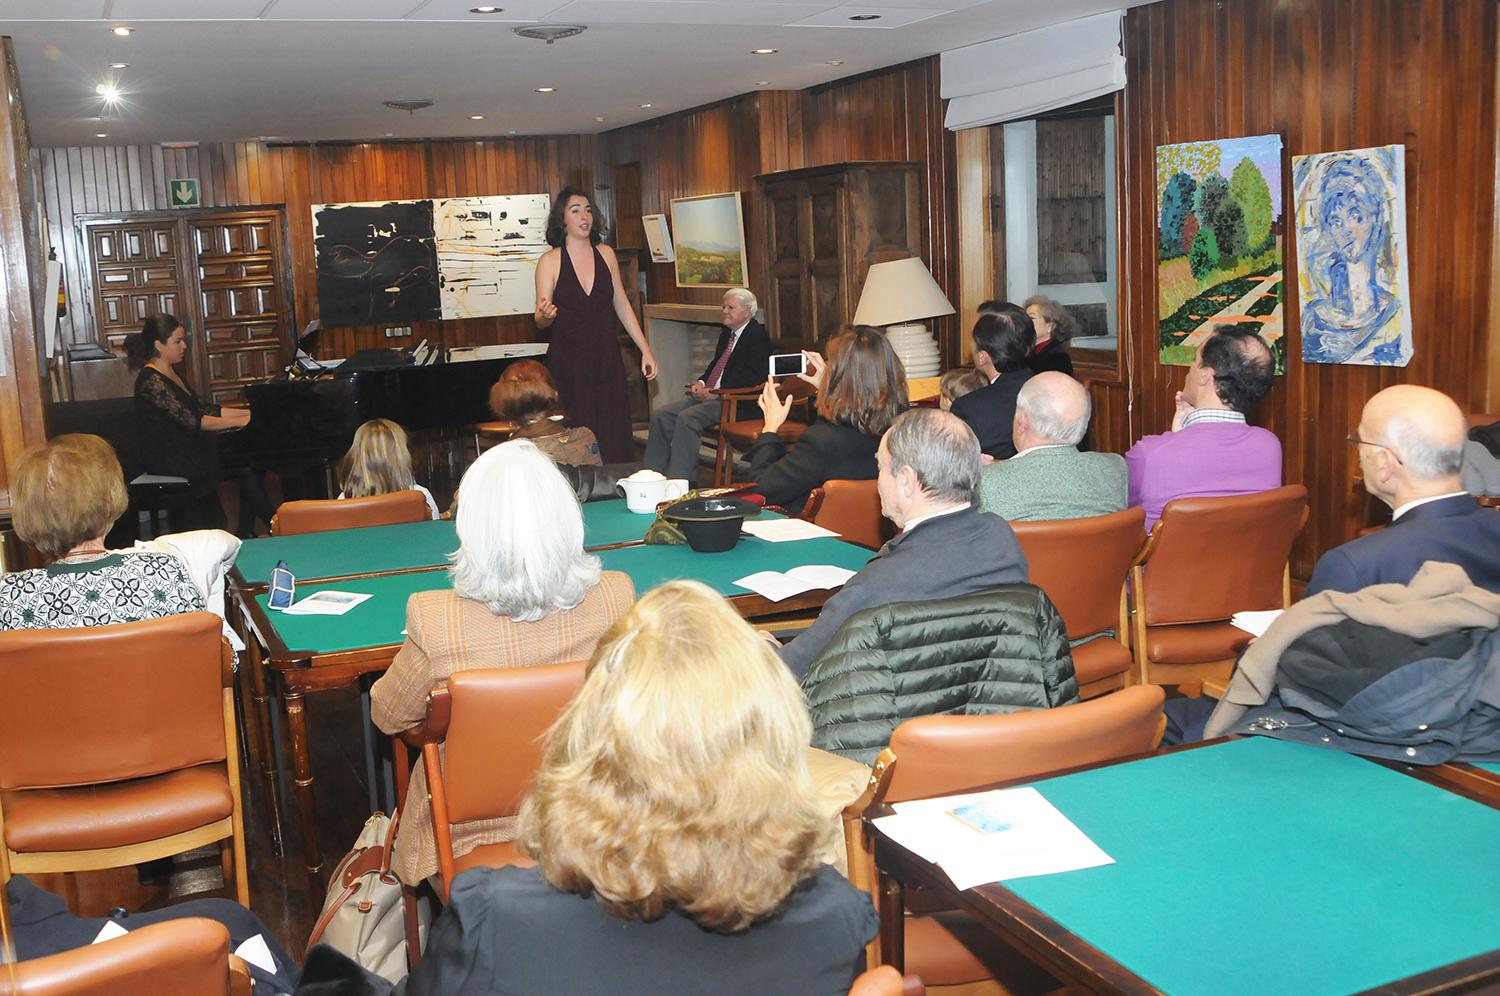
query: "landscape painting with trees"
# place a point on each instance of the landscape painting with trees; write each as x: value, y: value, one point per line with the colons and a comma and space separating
x: 1220, y: 241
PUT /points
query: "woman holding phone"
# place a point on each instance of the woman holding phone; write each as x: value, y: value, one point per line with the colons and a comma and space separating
x: 861, y: 389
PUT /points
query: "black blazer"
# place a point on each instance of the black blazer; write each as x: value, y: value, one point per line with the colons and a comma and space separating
x: 1455, y: 530
x: 991, y: 410
x: 826, y: 452
x: 748, y: 364
x: 1052, y: 357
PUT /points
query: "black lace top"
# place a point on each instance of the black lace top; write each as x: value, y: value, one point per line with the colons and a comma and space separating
x: 169, y: 420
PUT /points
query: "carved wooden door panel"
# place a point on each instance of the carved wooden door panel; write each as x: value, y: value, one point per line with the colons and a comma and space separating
x: 826, y: 258
x: 241, y: 304
x: 787, y: 313
x: 136, y: 274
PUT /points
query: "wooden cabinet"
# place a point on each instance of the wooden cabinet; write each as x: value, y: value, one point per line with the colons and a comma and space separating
x: 822, y: 228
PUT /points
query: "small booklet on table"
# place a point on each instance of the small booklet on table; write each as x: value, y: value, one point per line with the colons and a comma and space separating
x: 775, y: 586
x: 325, y: 603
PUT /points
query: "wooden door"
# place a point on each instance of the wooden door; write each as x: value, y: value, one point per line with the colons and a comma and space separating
x: 826, y: 255
x: 787, y: 313
x: 241, y: 304
x: 136, y: 274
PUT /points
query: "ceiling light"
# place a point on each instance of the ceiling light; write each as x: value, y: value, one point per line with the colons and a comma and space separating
x: 101, y: 134
x: 486, y: 10
x: 834, y: 62
x: 108, y: 91
x: 119, y: 65
x: 546, y: 89
x: 511, y: 132
x: 762, y: 82
x: 550, y: 33
x: 409, y: 105
x: 645, y: 105
x: 762, y: 51
x: 122, y: 29
x: 599, y: 118
x: 476, y: 117
x: 864, y: 17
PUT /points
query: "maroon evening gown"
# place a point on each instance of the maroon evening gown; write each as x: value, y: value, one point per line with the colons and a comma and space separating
x: 584, y: 358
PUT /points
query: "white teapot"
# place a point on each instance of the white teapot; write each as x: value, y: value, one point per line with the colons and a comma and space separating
x: 646, y: 489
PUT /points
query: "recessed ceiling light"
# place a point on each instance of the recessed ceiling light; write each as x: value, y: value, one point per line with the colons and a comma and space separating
x: 390, y: 134
x: 864, y: 17
x: 486, y: 10
x: 122, y: 29
x: 119, y: 65
x: 108, y: 91
x: 546, y: 89
x: 645, y: 105
x: 476, y: 117
x: 762, y: 82
x: 101, y: 134
x: 763, y: 51
x: 834, y: 62
x: 599, y: 118
x: 511, y: 132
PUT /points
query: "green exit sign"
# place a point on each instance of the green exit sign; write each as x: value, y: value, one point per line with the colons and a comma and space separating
x: 183, y: 193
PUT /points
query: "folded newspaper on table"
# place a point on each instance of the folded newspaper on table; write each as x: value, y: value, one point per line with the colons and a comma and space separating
x: 992, y: 836
x: 775, y: 586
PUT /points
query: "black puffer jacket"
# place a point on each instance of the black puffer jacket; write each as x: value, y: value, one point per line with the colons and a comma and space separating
x: 998, y: 650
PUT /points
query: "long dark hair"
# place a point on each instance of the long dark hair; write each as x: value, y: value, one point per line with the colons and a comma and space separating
x: 557, y: 232
x: 865, y: 386
x: 140, y: 348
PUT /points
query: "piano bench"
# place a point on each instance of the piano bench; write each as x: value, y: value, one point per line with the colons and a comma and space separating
x: 155, y: 494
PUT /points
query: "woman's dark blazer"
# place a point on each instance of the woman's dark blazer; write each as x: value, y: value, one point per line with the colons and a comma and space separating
x: 826, y: 452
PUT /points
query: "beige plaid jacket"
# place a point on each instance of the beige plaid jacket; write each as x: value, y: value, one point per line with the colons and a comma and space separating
x: 446, y: 633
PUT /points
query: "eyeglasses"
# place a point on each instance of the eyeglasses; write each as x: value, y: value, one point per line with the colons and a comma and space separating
x: 1355, y: 440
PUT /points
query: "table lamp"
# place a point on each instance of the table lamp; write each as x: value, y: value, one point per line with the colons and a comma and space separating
x: 898, y: 294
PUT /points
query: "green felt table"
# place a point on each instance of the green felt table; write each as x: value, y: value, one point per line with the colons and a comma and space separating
x: 1492, y: 768
x: 1263, y: 866
x: 378, y: 620
x: 380, y: 549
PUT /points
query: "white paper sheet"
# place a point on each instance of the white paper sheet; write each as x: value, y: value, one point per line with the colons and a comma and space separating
x: 256, y: 952
x: 111, y: 929
x: 1255, y: 622
x: 325, y: 603
x: 1038, y: 841
x: 785, y: 530
x: 776, y: 586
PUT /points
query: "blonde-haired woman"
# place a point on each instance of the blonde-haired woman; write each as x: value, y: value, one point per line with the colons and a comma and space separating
x: 378, y: 463
x: 524, y: 593
x: 675, y: 830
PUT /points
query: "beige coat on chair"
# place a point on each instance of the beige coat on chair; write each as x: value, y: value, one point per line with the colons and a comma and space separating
x: 446, y: 633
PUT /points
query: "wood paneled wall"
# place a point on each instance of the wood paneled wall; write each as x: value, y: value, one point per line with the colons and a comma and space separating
x: 1326, y: 75
x: 112, y: 180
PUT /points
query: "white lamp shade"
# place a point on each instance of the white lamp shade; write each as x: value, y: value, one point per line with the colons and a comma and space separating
x: 898, y: 291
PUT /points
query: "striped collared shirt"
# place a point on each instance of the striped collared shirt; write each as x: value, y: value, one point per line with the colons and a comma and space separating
x: 1212, y: 415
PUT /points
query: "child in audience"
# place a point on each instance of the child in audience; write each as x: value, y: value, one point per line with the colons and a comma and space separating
x: 379, y: 463
x: 956, y: 383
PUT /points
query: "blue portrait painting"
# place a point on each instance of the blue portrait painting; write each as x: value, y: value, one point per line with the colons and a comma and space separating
x: 1351, y: 256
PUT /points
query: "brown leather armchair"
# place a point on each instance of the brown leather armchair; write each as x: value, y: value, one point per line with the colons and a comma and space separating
x: 490, y: 726
x: 190, y: 955
x: 1082, y: 565
x: 737, y: 433
x: 851, y: 509
x: 318, y: 515
x: 941, y: 755
x: 1205, y: 560
x: 886, y: 981
x: 118, y: 746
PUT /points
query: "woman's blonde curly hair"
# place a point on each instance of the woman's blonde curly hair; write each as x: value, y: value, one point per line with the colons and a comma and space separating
x: 678, y: 776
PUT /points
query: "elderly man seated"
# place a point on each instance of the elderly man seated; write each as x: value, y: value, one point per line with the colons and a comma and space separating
x: 1048, y: 479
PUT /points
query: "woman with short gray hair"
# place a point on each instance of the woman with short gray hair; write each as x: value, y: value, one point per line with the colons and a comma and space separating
x: 1055, y: 327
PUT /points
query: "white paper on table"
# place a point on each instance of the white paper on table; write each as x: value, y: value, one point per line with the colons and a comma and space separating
x: 775, y: 586
x: 111, y: 929
x: 1255, y: 623
x: 785, y: 530
x: 257, y: 953
x: 1040, y: 841
x: 325, y: 603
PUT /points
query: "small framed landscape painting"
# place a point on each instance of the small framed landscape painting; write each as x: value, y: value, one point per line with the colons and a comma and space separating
x: 710, y: 240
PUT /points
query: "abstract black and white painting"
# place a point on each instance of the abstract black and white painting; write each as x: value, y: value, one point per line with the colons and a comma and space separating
x: 487, y: 248
x: 377, y: 262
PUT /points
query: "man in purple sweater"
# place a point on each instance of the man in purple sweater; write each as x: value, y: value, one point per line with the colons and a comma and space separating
x: 1210, y: 452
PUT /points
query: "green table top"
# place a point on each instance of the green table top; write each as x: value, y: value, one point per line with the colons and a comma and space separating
x: 374, y: 549
x: 1490, y: 767
x: 378, y: 620
x: 1260, y: 866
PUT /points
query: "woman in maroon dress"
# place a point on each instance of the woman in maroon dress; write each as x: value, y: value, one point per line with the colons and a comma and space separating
x: 579, y: 296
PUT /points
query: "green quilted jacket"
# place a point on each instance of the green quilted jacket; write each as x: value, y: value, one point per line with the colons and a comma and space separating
x: 998, y: 650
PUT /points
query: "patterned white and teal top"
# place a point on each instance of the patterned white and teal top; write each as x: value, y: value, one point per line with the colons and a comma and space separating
x: 115, y: 588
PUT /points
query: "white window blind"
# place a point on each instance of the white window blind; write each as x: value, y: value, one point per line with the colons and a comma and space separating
x: 1023, y: 75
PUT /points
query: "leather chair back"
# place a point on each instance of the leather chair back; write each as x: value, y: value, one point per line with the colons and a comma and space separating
x: 190, y: 955
x: 936, y: 755
x: 851, y: 509
x: 1082, y: 565
x: 497, y: 721
x: 74, y: 697
x: 318, y: 515
x: 1208, y: 558
x: 886, y: 981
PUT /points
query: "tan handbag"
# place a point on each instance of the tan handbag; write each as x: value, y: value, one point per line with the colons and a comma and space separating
x: 364, y: 914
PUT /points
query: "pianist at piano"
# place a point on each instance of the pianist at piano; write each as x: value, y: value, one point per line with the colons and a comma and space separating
x: 177, y: 429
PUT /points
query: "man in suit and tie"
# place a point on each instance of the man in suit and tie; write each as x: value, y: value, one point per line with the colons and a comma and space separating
x: 740, y: 360
x: 1048, y: 479
x: 1411, y: 442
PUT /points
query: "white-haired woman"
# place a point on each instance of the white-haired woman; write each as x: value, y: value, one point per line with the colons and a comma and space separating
x: 524, y: 593
x: 675, y: 828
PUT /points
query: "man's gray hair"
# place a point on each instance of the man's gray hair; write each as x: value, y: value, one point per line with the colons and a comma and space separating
x: 1047, y: 408
x: 743, y: 296
x: 1427, y: 458
x: 941, y: 448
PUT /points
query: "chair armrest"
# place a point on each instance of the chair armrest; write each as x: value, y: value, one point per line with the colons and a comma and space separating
x: 814, y: 502
x: 433, y: 729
